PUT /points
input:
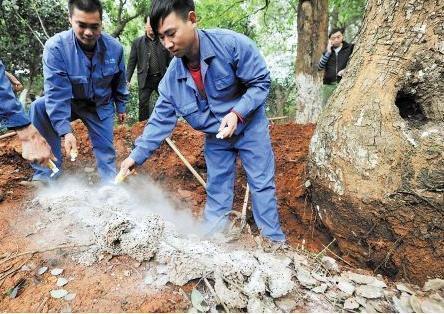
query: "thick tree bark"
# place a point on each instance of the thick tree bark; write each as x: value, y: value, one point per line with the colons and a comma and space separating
x: 312, y: 39
x: 376, y: 158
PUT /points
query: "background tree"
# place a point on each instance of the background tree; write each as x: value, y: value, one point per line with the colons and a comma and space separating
x: 312, y: 38
x: 377, y: 163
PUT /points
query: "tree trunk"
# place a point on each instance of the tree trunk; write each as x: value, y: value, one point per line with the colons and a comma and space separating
x: 312, y: 38
x: 376, y: 158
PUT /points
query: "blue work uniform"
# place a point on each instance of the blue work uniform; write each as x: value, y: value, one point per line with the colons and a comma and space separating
x: 12, y: 114
x: 235, y: 78
x: 77, y: 87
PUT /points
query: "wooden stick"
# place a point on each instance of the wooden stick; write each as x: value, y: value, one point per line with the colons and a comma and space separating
x: 8, y: 135
x: 325, y: 248
x: 278, y: 118
x: 185, y: 161
x: 244, y: 207
x: 45, y: 250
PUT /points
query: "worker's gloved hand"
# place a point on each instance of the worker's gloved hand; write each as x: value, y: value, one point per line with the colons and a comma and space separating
x: 70, y: 144
x: 125, y: 167
x: 227, y: 126
x: 34, y: 146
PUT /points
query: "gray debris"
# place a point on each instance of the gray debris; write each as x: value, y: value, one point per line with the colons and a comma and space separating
x: 320, y: 289
x: 346, y: 286
x: 256, y: 284
x: 369, y: 292
x: 351, y: 304
x: 433, y: 304
x: 58, y: 294
x: 402, y: 305
x: 61, y: 282
x: 42, y: 270
x: 415, y: 303
x: 434, y: 284
x: 330, y: 264
x: 319, y: 277
x: 404, y: 288
x: 149, y: 279
x: 262, y: 305
x: 364, y: 279
x: 305, y: 279
x: 69, y: 297
x: 232, y: 297
x: 286, y: 304
x: 56, y: 271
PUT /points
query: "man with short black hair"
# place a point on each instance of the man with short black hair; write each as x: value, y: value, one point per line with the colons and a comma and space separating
x: 218, y: 82
x: 84, y: 77
x: 151, y: 59
x: 335, y: 58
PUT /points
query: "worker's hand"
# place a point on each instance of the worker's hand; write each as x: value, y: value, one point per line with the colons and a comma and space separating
x: 227, y: 126
x: 16, y: 85
x: 341, y: 73
x: 126, y: 166
x: 34, y: 146
x: 329, y: 45
x: 70, y: 144
x: 121, y: 117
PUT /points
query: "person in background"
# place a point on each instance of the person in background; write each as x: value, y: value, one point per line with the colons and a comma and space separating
x: 151, y: 59
x: 335, y: 58
x: 218, y: 82
x: 34, y: 146
x: 84, y: 78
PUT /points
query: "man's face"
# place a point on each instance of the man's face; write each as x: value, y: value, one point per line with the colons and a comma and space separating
x: 177, y: 34
x: 87, y: 26
x: 148, y: 28
x: 336, y: 39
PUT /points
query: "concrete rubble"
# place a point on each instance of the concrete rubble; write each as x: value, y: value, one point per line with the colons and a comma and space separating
x: 243, y: 279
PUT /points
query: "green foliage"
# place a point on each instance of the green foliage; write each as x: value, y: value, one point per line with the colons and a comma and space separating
x: 346, y: 12
x: 21, y: 48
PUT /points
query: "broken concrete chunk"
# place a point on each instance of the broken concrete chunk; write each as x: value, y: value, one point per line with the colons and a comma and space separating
x: 256, y: 284
x: 415, y: 303
x: 61, y: 282
x: 402, y: 305
x: 351, y: 304
x: 286, y: 304
x: 232, y: 297
x: 369, y: 292
x: 404, y: 288
x: 42, y: 270
x: 320, y: 289
x: 434, y: 284
x: 330, y: 264
x: 56, y: 271
x: 58, y: 294
x: 433, y: 304
x: 364, y: 279
x: 346, y: 286
x: 305, y: 278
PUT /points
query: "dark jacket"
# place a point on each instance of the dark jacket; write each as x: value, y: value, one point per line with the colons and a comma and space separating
x: 140, y: 58
x: 333, y: 63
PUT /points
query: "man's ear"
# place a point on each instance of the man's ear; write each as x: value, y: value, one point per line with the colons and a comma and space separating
x: 192, y: 17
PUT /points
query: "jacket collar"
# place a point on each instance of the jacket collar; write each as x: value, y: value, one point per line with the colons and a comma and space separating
x: 206, y: 53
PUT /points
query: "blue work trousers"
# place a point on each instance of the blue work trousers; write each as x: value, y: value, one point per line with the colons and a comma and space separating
x: 100, y: 134
x: 253, y: 146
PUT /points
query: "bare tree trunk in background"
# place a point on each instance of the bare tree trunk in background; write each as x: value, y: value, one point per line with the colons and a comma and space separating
x: 376, y: 158
x: 312, y: 39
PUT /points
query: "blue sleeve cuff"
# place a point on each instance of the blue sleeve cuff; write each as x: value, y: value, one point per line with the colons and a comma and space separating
x: 138, y: 156
x: 63, y: 129
x: 17, y: 120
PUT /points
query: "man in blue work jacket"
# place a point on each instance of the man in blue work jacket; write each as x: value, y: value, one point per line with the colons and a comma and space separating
x: 218, y: 82
x: 84, y: 74
x: 12, y: 115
